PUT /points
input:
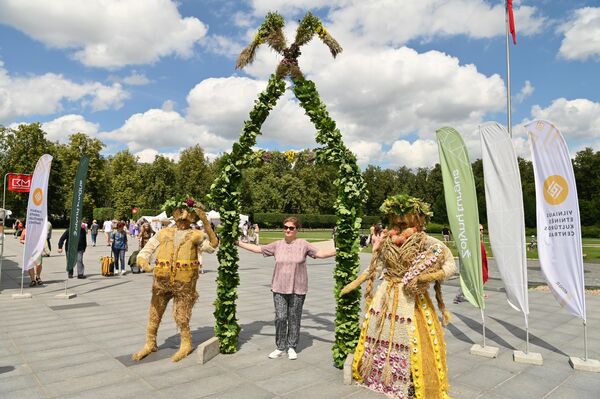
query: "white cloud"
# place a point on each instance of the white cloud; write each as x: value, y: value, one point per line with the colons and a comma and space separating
x: 149, y: 154
x: 61, y: 128
x: 49, y: 93
x: 581, y: 35
x: 367, y: 152
x: 133, y: 79
x: 420, y: 153
x: 222, y: 45
x: 526, y: 91
x: 107, y: 33
x: 397, y: 22
x: 161, y: 129
x: 577, y: 119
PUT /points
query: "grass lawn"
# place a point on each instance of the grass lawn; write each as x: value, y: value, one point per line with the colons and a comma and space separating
x: 267, y: 237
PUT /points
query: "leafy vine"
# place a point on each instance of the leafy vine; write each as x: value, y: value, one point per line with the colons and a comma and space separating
x: 351, y: 192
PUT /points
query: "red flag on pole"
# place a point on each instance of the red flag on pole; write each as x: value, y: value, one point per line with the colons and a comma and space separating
x: 511, y: 20
x: 19, y: 183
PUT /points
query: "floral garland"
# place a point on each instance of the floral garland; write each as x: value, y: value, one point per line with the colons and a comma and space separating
x: 186, y: 202
x: 422, y: 263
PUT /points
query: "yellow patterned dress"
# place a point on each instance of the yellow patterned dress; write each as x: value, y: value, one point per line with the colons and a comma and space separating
x: 401, y: 351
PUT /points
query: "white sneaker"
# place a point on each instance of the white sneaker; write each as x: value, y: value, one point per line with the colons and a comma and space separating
x: 123, y: 272
x: 292, y: 355
x: 275, y: 354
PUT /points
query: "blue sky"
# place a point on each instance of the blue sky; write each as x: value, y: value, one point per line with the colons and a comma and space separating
x: 157, y: 76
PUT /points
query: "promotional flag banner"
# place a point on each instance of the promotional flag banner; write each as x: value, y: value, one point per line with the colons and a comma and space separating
x: 37, y: 213
x: 19, y: 183
x: 511, y: 20
x: 76, y: 210
x: 505, y: 213
x: 461, y: 204
x: 558, y: 223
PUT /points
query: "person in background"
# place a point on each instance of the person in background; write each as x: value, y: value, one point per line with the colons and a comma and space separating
x: 484, y: 263
x: 446, y: 235
x: 145, y: 234
x: 48, y: 247
x: 289, y: 283
x: 131, y: 227
x: 36, y: 271
x: 371, y: 232
x: 81, y: 247
x: 107, y: 227
x: 94, y: 231
x: 256, y: 234
x: 118, y: 240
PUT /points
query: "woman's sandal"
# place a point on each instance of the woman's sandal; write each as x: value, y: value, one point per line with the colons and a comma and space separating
x: 39, y: 281
x: 33, y: 283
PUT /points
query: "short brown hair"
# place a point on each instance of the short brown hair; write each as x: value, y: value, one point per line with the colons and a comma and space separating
x: 293, y: 220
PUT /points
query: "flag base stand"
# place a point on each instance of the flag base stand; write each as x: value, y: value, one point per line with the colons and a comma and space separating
x: 21, y: 296
x: 528, y: 358
x: 65, y: 295
x: 348, y: 369
x: 584, y: 365
x: 207, y: 350
x: 484, y: 351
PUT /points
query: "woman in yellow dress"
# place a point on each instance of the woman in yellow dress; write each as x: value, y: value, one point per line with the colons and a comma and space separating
x: 401, y: 350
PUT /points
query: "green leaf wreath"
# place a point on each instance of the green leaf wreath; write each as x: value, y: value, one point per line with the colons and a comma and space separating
x: 350, y: 186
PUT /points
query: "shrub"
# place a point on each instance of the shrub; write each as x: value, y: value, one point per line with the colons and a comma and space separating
x: 102, y: 214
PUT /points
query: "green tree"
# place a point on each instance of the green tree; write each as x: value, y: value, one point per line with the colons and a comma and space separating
x: 22, y: 148
x: 194, y: 174
x: 125, y: 187
x: 97, y: 182
x: 156, y: 181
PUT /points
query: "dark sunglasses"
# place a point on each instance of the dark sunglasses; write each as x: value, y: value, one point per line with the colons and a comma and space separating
x: 290, y: 228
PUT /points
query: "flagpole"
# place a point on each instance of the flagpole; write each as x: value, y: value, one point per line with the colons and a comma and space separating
x: 3, y: 224
x: 508, y: 104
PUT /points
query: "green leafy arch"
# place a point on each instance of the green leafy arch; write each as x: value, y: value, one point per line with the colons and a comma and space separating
x: 351, y: 192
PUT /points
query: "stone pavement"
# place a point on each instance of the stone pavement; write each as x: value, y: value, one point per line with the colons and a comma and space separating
x: 81, y: 348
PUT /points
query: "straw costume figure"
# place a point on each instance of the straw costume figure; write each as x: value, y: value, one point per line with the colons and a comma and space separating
x: 175, y: 271
x: 401, y: 350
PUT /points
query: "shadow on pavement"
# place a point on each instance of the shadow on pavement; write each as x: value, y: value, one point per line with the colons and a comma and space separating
x: 534, y: 340
x: 490, y: 334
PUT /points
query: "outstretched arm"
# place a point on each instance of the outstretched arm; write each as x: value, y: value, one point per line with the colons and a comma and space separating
x: 356, y: 283
x: 212, y: 237
x: 325, y: 253
x: 250, y: 247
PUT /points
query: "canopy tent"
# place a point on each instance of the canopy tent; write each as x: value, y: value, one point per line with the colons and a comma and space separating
x: 215, y: 218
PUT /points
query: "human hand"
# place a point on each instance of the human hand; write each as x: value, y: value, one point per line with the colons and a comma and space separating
x: 60, y: 250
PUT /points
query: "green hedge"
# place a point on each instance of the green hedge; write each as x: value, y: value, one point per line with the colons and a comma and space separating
x: 102, y: 214
x: 307, y: 220
x: 146, y: 212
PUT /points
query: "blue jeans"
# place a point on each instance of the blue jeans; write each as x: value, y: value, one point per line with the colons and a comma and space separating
x: 119, y: 258
x: 94, y: 238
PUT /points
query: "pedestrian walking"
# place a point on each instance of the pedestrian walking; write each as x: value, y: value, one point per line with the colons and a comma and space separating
x: 107, y: 226
x: 81, y: 247
x: 118, y: 241
x: 94, y: 231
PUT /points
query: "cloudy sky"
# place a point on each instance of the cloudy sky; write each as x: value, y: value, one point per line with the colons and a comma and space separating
x: 156, y: 76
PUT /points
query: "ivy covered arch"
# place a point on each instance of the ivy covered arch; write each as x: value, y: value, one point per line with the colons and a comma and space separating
x: 351, y: 192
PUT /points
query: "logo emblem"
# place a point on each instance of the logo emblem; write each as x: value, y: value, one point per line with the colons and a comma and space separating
x: 556, y: 190
x: 38, y: 196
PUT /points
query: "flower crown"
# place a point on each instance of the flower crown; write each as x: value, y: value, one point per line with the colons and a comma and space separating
x: 403, y: 205
x: 180, y: 202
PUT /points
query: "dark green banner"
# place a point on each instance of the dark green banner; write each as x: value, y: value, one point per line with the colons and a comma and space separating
x: 76, y: 210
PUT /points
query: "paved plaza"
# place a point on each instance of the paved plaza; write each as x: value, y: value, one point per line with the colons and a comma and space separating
x: 81, y: 348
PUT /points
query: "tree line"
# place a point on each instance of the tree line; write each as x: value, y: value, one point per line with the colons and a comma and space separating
x: 280, y: 183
